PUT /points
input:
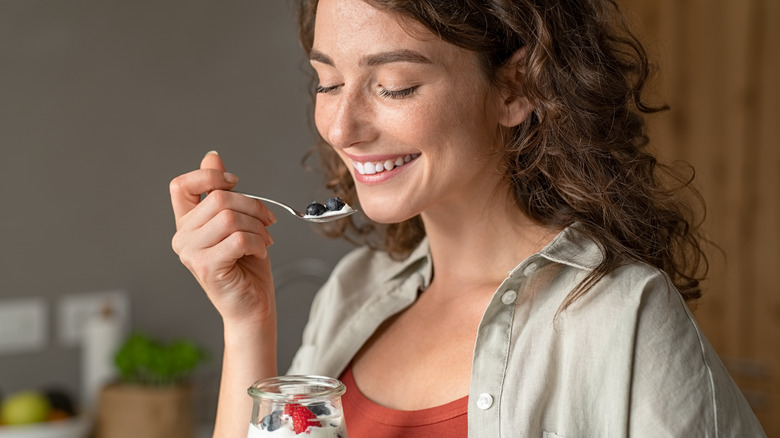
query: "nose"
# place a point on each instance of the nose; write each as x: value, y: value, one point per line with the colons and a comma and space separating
x: 344, y: 119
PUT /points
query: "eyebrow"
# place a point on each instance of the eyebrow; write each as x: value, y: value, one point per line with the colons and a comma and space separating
x: 377, y: 58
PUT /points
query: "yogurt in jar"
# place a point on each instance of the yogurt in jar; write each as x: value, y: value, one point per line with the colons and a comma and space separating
x: 297, y: 407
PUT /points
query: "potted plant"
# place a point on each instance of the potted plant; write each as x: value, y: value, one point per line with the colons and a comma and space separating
x: 153, y: 398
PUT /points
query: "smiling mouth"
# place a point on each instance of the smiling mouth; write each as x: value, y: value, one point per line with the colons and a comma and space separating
x: 374, y: 167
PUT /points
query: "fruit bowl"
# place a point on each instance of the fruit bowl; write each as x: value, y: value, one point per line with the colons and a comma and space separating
x: 75, y: 427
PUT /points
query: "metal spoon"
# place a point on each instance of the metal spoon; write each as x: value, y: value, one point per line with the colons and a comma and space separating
x: 328, y: 216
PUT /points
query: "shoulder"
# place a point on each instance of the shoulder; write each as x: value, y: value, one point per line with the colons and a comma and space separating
x: 633, y: 303
x: 634, y: 308
x: 635, y: 286
x: 678, y: 382
x: 631, y: 307
x: 572, y: 257
x: 645, y: 349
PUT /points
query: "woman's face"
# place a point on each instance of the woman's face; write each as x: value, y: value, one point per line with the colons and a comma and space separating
x: 413, y: 117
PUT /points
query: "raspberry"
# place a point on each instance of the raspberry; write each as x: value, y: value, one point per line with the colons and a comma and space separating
x: 302, y: 417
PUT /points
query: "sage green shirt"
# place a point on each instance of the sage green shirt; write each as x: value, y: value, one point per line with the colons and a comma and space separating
x: 627, y: 359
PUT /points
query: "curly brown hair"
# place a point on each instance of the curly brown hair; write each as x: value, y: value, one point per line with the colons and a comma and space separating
x: 581, y: 156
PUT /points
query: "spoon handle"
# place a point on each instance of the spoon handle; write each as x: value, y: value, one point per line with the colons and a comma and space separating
x: 280, y: 204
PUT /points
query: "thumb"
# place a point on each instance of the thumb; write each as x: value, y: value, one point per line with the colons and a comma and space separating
x: 186, y: 190
x: 212, y: 160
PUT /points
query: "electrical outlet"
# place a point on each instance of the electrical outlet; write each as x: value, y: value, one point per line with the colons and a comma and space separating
x: 23, y: 325
x: 74, y: 310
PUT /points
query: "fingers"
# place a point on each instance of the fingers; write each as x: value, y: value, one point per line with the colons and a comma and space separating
x: 214, y: 262
x: 239, y: 246
x: 212, y: 251
x: 222, y: 229
x: 227, y: 222
x: 212, y: 160
x: 220, y: 201
x: 223, y: 238
x: 186, y: 189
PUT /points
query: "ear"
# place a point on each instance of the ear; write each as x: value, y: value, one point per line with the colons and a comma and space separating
x: 514, y: 107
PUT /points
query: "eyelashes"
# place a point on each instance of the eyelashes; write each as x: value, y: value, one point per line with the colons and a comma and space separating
x: 320, y: 89
x: 383, y: 92
x: 397, y: 94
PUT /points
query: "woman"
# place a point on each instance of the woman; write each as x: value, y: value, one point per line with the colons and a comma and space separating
x: 531, y: 272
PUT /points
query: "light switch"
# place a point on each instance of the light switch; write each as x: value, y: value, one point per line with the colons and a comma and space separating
x: 75, y: 309
x: 23, y: 325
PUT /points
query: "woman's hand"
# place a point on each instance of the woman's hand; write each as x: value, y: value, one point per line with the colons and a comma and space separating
x: 223, y: 241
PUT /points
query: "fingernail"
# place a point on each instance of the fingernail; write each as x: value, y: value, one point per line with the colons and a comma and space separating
x: 229, y: 177
x: 212, y: 152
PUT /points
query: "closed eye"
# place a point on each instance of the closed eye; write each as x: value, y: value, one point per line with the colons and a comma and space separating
x: 321, y: 89
x: 397, y: 94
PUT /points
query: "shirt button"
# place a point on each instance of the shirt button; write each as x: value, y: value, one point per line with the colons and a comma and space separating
x: 509, y: 297
x: 530, y: 269
x: 485, y: 401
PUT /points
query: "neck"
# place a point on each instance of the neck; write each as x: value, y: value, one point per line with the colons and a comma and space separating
x: 476, y: 245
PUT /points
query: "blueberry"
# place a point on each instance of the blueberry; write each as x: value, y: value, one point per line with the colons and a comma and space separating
x: 334, y: 204
x: 315, y: 209
x: 319, y: 409
x: 272, y: 421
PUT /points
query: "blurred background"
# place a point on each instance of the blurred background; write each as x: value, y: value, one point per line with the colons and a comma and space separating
x: 102, y: 103
x: 719, y: 67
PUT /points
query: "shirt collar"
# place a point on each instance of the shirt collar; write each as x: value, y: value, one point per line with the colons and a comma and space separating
x: 569, y: 247
x: 418, y: 261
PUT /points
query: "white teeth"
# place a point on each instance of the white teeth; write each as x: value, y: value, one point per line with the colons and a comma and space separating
x: 372, y: 168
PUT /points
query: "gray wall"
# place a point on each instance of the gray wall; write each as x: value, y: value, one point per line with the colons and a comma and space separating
x: 101, y: 104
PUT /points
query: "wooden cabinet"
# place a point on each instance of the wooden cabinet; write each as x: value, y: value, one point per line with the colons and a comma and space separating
x: 720, y: 72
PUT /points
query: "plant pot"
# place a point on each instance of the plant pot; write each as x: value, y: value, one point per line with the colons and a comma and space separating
x: 132, y: 411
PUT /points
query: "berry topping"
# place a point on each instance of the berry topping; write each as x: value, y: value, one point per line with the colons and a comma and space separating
x: 319, y: 409
x: 315, y: 209
x: 334, y: 204
x: 272, y: 421
x: 302, y: 417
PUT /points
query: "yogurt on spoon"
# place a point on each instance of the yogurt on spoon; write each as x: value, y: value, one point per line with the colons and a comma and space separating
x: 333, y: 207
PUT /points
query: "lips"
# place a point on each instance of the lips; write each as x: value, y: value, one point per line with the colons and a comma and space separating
x: 374, y: 167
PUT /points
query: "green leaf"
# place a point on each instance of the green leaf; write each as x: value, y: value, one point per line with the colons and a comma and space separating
x: 142, y: 360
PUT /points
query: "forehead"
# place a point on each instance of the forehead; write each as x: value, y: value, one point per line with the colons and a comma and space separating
x: 345, y: 28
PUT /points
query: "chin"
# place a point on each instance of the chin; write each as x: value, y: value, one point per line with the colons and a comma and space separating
x: 386, y: 216
x: 383, y: 205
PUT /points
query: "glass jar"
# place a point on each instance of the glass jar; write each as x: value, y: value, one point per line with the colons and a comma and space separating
x: 286, y: 406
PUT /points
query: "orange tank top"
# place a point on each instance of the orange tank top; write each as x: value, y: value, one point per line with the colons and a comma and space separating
x: 366, y: 419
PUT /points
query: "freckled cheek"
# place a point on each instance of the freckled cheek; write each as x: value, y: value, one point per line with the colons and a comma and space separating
x: 423, y: 121
x: 431, y: 127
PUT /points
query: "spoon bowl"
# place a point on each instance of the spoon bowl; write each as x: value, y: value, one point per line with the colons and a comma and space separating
x: 328, y: 216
